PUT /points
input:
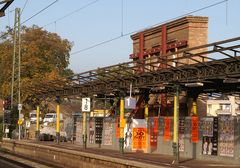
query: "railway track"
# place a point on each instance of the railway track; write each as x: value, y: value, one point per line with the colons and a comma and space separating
x: 10, y: 160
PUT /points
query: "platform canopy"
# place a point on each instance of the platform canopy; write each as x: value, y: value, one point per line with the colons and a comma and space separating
x: 208, y: 68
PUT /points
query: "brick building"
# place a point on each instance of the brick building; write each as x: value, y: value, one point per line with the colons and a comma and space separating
x: 186, y: 32
x: 160, y: 41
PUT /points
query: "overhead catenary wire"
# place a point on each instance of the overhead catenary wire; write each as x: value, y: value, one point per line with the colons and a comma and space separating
x: 24, y: 6
x: 122, y: 18
x: 226, y: 12
x: 7, y: 33
x: 40, y: 11
x: 71, y: 13
x: 129, y: 33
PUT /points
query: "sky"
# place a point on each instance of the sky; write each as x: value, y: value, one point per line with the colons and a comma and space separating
x: 96, y: 21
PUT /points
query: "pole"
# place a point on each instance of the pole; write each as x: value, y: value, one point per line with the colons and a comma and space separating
x: 37, y: 125
x: 84, y: 130
x: 146, y: 112
x: 19, y: 71
x: 19, y: 125
x: 194, y: 108
x: 122, y: 124
x: 14, y: 57
x: 58, y: 124
x: 146, y: 117
x: 175, y: 128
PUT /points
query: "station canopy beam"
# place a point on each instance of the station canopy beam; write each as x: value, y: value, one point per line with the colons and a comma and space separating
x: 209, y: 64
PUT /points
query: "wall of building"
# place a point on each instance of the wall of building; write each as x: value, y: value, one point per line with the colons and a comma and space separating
x: 230, y: 106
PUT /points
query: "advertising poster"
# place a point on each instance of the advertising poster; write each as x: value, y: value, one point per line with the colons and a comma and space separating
x: 210, y: 136
x: 139, y: 135
x: 128, y: 136
x: 79, y: 132
x: 207, y: 127
x: 226, y: 136
x: 91, y: 131
x: 98, y: 129
x: 155, y: 129
x: 117, y: 127
x: 139, y: 138
x: 153, y: 122
x: 181, y: 133
x: 108, y: 133
x: 167, y: 129
x: 195, y: 129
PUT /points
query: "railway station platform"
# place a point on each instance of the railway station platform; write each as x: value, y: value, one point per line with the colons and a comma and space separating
x: 71, y: 155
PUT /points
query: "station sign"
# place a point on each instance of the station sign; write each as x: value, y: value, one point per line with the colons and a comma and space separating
x: 19, y: 107
x: 6, y: 130
x: 130, y: 103
x: 86, y: 104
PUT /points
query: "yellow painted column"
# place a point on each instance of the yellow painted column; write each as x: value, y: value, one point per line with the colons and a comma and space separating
x: 58, y: 124
x: 175, y: 127
x: 84, y: 129
x: 37, y: 122
x: 146, y: 112
x: 37, y: 134
x: 122, y: 125
x: 146, y: 117
x: 194, y: 105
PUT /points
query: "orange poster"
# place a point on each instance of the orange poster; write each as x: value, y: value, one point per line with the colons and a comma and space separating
x: 195, y: 129
x: 167, y: 131
x: 139, y: 138
x: 117, y: 127
x: 155, y: 128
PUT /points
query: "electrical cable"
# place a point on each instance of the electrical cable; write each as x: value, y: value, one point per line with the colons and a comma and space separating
x: 24, y: 6
x: 96, y: 45
x: 117, y: 37
x: 7, y: 33
x: 226, y: 12
x: 122, y: 19
x: 39, y: 12
x: 71, y: 13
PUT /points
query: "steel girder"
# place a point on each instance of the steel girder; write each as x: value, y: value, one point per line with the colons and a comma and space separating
x: 203, y: 68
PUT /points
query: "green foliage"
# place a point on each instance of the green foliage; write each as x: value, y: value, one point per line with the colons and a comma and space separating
x: 44, y: 57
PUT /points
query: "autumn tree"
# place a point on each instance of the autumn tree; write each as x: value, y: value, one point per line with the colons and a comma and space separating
x: 44, y: 57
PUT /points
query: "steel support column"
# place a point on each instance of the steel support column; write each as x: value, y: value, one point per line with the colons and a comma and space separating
x: 84, y: 136
x: 122, y: 124
x: 37, y: 124
x: 175, y: 127
x: 194, y: 106
x: 58, y: 124
x: 146, y: 112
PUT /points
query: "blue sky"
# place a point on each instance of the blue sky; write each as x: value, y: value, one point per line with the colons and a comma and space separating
x: 102, y: 21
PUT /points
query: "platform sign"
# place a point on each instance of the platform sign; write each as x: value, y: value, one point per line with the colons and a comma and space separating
x: 6, y: 130
x: 20, y: 107
x: 130, y: 103
x: 20, y: 121
x: 28, y: 123
x: 86, y: 104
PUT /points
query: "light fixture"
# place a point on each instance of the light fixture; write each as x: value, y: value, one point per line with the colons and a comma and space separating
x: 231, y: 80
x: 196, y: 84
